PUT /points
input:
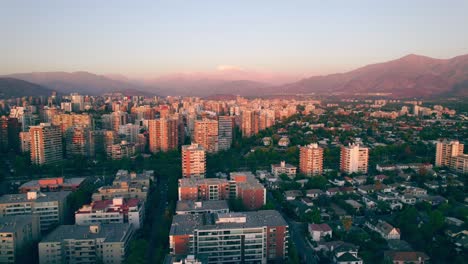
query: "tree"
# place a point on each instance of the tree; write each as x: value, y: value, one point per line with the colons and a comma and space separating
x: 347, y: 223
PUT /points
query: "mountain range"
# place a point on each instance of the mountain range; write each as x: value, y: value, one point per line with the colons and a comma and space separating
x: 409, y: 76
x: 13, y: 88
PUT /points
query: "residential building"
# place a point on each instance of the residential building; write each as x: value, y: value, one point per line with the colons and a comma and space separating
x: 105, y: 243
x: 250, y: 123
x: 49, y: 207
x: 18, y: 235
x: 163, y: 134
x: 46, y: 144
x: 121, y: 150
x: 205, y: 133
x: 130, y: 132
x: 225, y: 132
x: 118, y: 118
x: 243, y: 185
x: 25, y: 141
x: 201, y: 189
x: 386, y: 230
x: 445, y: 150
x: 117, y: 210
x: 311, y: 159
x: 459, y: 163
x: 193, y: 161
x: 354, y: 159
x: 248, y: 237
x: 319, y: 231
x: 79, y: 142
x: 66, y: 121
x: 52, y: 185
x: 126, y: 185
x: 283, y: 168
x: 202, y: 207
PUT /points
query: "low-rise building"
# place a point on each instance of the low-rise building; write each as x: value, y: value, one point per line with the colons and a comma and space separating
x: 49, y: 207
x: 104, y: 243
x: 117, y: 210
x: 319, y: 231
x: 386, y: 230
x: 52, y: 185
x: 284, y: 168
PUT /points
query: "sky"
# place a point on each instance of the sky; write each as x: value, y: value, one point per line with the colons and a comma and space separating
x: 153, y: 38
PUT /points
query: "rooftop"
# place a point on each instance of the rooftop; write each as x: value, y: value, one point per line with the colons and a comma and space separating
x: 202, y: 205
x: 41, y: 197
x: 109, y: 232
x: 187, y: 224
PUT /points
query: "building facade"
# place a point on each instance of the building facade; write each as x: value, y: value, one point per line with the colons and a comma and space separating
x: 445, y: 150
x: 311, y: 159
x: 354, y: 159
x: 46, y: 144
x: 193, y: 161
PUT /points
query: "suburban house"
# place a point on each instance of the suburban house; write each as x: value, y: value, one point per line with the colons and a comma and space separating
x: 385, y: 229
x: 319, y: 231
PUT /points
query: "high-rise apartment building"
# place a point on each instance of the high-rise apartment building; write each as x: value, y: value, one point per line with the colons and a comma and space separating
x: 79, y: 141
x: 46, y: 144
x: 354, y: 159
x: 225, y: 130
x: 163, y: 134
x: 459, y: 163
x: 193, y: 161
x: 250, y: 122
x: 119, y: 118
x: 311, y: 159
x: 445, y: 150
x: 247, y: 237
x: 205, y: 133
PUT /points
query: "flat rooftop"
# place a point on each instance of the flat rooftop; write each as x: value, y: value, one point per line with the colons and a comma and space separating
x: 201, y: 205
x: 41, y: 197
x: 187, y: 224
x: 66, y: 182
x: 110, y: 233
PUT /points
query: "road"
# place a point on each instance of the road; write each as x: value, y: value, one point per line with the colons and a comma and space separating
x: 158, y: 214
x: 297, y: 232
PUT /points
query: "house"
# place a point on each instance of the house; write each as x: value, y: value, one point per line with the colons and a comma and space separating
x: 319, y: 231
x: 292, y: 195
x: 386, y: 230
x: 357, y: 206
x: 307, y: 201
x: 346, y: 254
x: 380, y: 178
x: 283, y: 142
x: 416, y: 191
x: 433, y: 199
x: 454, y: 221
x: 332, y: 191
x: 408, y: 199
x: 337, y: 182
x: 359, y: 180
x: 403, y: 257
x: 302, y: 182
x: 284, y: 168
x: 314, y: 193
x: 369, y: 202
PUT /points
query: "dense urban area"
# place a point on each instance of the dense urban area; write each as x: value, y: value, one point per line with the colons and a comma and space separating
x: 228, y: 179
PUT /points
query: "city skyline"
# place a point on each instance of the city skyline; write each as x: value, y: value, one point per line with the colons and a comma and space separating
x: 152, y: 39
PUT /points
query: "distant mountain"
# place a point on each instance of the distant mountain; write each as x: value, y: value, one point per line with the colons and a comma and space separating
x: 12, y: 88
x: 409, y: 76
x: 206, y: 87
x: 81, y: 82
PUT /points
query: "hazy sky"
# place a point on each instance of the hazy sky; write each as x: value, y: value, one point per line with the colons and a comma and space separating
x: 142, y: 38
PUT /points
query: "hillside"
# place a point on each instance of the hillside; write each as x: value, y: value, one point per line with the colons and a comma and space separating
x: 409, y: 76
x: 11, y: 88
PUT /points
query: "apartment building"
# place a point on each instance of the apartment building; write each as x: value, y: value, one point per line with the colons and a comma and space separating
x: 248, y: 237
x: 445, y: 150
x: 459, y: 163
x: 46, y: 144
x: 117, y: 210
x: 52, y: 185
x: 205, y: 133
x: 49, y: 207
x: 225, y: 132
x: 163, y: 134
x: 354, y: 159
x: 202, y: 207
x: 311, y: 159
x: 18, y: 234
x: 126, y: 185
x: 193, y: 161
x: 100, y: 243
